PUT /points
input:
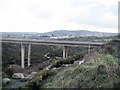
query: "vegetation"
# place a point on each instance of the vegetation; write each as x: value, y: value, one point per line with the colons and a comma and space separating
x: 35, y: 83
x: 101, y: 72
x: 69, y: 60
x: 101, y: 68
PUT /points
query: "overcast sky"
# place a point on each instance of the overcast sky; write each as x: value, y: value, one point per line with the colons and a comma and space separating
x: 49, y: 15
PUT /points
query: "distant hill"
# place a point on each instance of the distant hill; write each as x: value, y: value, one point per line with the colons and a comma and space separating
x: 57, y: 33
x: 78, y: 33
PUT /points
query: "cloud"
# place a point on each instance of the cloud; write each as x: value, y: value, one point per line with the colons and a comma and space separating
x: 48, y: 15
x: 97, y: 14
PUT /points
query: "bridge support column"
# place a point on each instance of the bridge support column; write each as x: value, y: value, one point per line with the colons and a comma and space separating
x: 65, y: 52
x: 29, y: 50
x: 22, y: 55
x: 89, y: 49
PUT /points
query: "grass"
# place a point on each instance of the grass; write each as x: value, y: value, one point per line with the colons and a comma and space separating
x: 93, y: 74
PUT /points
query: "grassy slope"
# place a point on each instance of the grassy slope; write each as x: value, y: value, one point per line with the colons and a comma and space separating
x: 99, y: 72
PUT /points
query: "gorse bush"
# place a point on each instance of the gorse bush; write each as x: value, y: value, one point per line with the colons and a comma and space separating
x: 45, y: 73
x: 13, y: 69
x: 36, y: 81
x: 108, y: 59
x: 101, y: 69
x: 68, y: 60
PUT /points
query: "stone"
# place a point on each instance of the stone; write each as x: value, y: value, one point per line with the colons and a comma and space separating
x: 6, y: 80
x: 34, y: 73
x: 48, y: 67
x: 18, y: 75
x: 55, y: 68
x: 24, y: 79
x: 30, y: 76
x: 67, y: 65
x: 76, y: 62
x: 79, y: 62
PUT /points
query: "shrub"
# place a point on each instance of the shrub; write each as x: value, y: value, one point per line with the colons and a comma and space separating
x: 78, y: 56
x: 68, y: 60
x: 109, y: 60
x: 57, y: 63
x: 36, y: 81
x: 14, y: 69
x: 45, y: 73
x: 34, y: 84
x: 101, y: 69
x: 79, y: 69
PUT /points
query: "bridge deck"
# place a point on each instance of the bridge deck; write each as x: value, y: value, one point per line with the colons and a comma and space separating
x: 52, y: 42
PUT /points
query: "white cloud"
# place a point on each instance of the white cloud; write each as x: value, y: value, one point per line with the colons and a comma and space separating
x: 48, y: 15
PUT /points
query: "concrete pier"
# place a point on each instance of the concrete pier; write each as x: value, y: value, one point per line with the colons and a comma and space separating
x: 22, y: 56
x: 65, y: 51
x: 29, y: 50
x: 89, y: 48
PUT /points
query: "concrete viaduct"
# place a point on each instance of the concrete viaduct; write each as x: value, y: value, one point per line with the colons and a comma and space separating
x: 65, y: 45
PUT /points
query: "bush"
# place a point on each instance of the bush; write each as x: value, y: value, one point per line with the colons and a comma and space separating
x: 109, y: 60
x: 45, y: 73
x: 36, y: 81
x: 68, y: 60
x: 78, y: 56
x: 13, y: 69
x: 101, y: 69
x: 57, y: 63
